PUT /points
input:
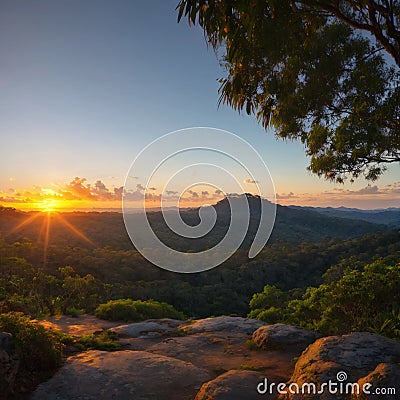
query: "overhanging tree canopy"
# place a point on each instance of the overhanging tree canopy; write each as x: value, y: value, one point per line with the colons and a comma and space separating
x: 323, y: 72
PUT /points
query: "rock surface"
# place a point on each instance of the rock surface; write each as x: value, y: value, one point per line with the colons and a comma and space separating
x: 84, y: 324
x: 385, y: 377
x: 270, y: 336
x: 356, y: 354
x: 233, y: 385
x: 180, y: 363
x: 122, y: 375
x: 8, y: 370
x: 211, y: 361
x: 224, y: 323
x: 149, y: 328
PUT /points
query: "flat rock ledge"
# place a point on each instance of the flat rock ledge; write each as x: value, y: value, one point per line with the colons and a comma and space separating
x: 123, y: 375
x: 276, y: 335
x: 223, y: 323
x: 149, y: 329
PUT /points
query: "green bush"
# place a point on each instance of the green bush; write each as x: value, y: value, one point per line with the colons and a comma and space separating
x: 103, y: 341
x: 360, y: 300
x: 38, y: 349
x: 136, y: 310
x: 73, y: 312
x: 272, y: 315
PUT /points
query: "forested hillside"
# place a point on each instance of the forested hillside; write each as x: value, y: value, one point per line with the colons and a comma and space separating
x: 88, y: 260
x: 95, y: 229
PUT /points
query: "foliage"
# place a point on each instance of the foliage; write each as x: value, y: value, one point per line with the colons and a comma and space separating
x: 39, y: 350
x: 73, y: 312
x: 360, y: 300
x: 136, y: 310
x: 104, y: 340
x: 268, y: 304
x: 119, y: 274
x: 77, y: 277
x: 303, y: 69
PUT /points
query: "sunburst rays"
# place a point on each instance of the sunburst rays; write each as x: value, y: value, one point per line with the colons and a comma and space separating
x: 49, y: 217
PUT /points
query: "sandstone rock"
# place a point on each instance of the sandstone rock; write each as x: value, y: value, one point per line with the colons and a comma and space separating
x: 224, y: 323
x: 9, y: 366
x: 233, y: 385
x: 356, y: 354
x: 281, y: 334
x: 122, y: 375
x: 149, y: 328
x: 84, y: 324
x: 385, y: 377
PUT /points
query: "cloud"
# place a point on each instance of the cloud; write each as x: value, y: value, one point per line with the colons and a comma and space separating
x: 289, y: 195
x: 369, y: 190
x: 102, y: 191
x: 194, y: 194
x: 118, y: 192
x: 12, y: 200
x: 370, y: 196
x: 250, y: 181
x: 78, y: 189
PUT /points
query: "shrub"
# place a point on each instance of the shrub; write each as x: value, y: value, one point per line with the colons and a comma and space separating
x: 272, y: 315
x: 73, y: 312
x: 105, y: 340
x: 136, y: 310
x: 38, y: 349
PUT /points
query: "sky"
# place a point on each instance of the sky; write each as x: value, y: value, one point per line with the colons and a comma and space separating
x: 86, y: 85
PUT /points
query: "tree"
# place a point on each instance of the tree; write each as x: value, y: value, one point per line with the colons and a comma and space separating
x: 379, y: 18
x: 366, y: 300
x: 304, y: 68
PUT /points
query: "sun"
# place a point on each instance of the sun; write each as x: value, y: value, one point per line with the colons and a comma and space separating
x: 49, y: 201
x: 48, y: 205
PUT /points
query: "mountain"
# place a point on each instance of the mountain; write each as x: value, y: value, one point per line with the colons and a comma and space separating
x: 301, y: 225
x: 99, y: 229
x: 388, y: 216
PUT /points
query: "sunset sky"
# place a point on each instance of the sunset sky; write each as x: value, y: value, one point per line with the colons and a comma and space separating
x: 85, y: 85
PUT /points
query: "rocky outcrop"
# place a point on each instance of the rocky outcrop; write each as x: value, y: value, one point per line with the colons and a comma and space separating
x: 278, y: 335
x: 384, y: 377
x: 345, y: 358
x: 9, y: 366
x: 84, y: 324
x: 232, y: 385
x: 123, y: 375
x: 211, y: 362
x: 156, y: 366
x: 224, y: 323
x: 150, y: 328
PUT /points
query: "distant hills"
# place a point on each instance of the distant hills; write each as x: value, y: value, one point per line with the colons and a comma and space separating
x: 293, y: 224
x: 389, y: 216
x: 303, y: 225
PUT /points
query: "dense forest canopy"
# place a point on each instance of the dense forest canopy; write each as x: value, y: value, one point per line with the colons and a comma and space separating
x: 67, y: 271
